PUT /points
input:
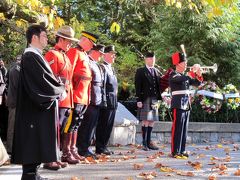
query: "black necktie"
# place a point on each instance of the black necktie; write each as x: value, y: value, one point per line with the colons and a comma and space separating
x: 152, y: 71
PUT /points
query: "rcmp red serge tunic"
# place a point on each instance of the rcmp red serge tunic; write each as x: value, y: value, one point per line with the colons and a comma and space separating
x: 82, y: 76
x: 62, y: 68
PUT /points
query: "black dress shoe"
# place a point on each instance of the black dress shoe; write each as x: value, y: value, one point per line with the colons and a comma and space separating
x: 145, y: 148
x: 104, y: 151
x: 185, y: 154
x: 52, y: 166
x: 38, y: 177
x: 88, y: 154
x: 153, y: 147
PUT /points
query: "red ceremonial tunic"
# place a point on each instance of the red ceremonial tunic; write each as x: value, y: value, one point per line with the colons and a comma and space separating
x: 62, y: 68
x: 82, y: 75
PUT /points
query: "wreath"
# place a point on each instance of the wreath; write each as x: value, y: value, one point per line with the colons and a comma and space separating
x: 210, y: 104
x: 232, y: 102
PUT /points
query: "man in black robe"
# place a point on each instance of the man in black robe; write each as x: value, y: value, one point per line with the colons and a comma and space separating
x: 35, y: 133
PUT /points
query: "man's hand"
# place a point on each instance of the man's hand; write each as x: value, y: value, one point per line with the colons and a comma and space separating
x: 199, y: 72
x: 63, y: 96
x: 139, y: 104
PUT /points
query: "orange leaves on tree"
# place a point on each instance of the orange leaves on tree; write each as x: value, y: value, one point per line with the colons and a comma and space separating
x: 58, y: 22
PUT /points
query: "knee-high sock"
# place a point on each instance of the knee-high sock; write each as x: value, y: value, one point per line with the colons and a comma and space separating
x: 144, y: 133
x: 149, y: 131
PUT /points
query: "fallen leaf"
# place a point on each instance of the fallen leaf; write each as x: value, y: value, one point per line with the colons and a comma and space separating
x: 214, y: 158
x: 212, y: 177
x: 212, y: 163
x: 137, y: 166
x: 149, y: 160
x: 227, y: 150
x: 195, y: 165
x: 74, y: 178
x: 129, y: 178
x: 201, y: 156
x: 169, y: 175
x: 227, y: 159
x: 207, y: 148
x: 183, y: 173
x: 237, y: 173
x: 158, y: 165
x: 147, y: 175
x: 117, y: 145
x: 223, y: 173
x: 219, y: 146
x: 106, y: 178
x: 126, y: 157
x: 166, y: 169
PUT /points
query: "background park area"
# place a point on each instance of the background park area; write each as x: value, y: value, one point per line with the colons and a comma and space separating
x: 209, y: 29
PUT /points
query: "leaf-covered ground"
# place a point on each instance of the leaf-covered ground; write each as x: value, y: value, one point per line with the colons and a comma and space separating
x: 206, y: 161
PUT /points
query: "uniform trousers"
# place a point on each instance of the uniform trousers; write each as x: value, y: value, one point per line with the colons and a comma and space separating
x: 179, y: 130
x: 78, y: 112
x: 11, y: 122
x: 104, y: 128
x: 30, y: 171
x: 63, y: 117
x: 87, y: 128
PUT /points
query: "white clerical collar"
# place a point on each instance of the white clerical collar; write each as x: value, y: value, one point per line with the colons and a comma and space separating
x: 39, y: 50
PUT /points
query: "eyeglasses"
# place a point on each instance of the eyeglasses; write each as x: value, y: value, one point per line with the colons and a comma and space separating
x: 43, y: 35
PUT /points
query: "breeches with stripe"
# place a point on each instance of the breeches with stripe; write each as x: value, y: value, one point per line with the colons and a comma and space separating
x: 179, y: 130
x: 77, y: 116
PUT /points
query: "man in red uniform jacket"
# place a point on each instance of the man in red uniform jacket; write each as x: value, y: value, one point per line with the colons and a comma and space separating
x: 62, y: 69
x: 82, y: 77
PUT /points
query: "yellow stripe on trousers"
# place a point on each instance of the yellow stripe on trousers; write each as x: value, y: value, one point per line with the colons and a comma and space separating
x: 69, y: 121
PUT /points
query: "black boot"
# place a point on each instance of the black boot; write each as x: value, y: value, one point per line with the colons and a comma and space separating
x: 144, y: 132
x: 150, y: 145
x: 30, y: 171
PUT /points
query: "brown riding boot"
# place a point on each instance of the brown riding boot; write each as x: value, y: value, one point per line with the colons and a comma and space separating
x: 73, y: 147
x: 66, y: 153
x: 51, y: 166
x: 62, y: 164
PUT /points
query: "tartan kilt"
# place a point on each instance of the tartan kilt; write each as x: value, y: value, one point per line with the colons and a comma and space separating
x: 146, y: 112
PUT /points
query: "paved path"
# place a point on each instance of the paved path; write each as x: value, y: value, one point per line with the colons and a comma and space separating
x: 120, y: 166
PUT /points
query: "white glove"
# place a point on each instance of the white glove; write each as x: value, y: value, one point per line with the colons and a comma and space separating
x: 63, y: 96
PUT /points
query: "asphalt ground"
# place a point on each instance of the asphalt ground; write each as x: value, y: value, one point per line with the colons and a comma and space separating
x: 206, y: 161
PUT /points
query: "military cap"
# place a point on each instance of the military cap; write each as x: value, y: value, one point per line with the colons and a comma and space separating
x: 91, y: 36
x: 177, y: 58
x: 99, y: 47
x: 149, y: 54
x: 110, y: 48
x: 66, y: 32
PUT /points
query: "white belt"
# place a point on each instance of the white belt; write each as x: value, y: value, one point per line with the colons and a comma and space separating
x: 181, y: 92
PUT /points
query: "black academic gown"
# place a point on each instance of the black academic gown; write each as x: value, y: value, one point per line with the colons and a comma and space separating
x: 35, y: 128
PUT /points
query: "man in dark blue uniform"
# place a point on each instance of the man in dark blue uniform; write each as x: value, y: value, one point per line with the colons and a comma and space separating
x: 147, y: 87
x: 107, y: 115
x: 180, y: 103
x: 91, y: 116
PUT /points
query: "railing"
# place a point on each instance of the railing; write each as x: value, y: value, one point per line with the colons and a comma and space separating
x: 224, y: 115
